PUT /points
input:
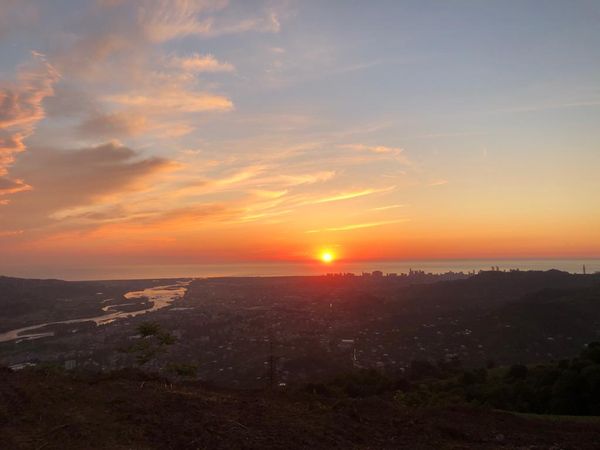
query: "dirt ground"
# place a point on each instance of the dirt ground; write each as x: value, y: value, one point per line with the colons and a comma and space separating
x: 132, y: 411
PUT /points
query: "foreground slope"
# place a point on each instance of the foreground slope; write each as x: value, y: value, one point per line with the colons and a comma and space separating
x: 134, y: 411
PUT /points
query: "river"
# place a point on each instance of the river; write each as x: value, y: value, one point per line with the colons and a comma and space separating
x: 159, y: 296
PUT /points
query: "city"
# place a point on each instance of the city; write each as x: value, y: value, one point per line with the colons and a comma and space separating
x: 253, y: 332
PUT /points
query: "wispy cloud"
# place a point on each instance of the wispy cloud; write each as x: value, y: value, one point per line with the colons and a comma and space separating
x: 12, y: 186
x: 439, y: 182
x: 164, y: 20
x: 351, y: 195
x: 380, y: 150
x: 10, y: 233
x: 387, y: 207
x: 456, y: 134
x: 175, y: 100
x: 200, y: 63
x: 20, y: 110
x: 358, y: 226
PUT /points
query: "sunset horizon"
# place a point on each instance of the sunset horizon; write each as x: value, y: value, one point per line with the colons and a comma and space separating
x: 299, y: 224
x: 197, y: 132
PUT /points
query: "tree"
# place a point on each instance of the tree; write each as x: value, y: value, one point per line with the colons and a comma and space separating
x: 154, y: 341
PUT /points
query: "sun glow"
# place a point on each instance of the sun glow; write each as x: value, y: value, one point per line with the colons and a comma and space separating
x: 327, y: 257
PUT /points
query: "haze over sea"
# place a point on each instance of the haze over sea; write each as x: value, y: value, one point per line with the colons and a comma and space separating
x: 294, y: 268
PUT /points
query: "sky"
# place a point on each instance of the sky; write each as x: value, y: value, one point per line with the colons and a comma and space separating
x: 214, y: 131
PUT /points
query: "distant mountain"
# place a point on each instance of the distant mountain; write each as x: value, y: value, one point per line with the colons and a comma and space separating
x: 490, y: 288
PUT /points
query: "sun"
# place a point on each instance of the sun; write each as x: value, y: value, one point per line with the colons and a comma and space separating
x: 327, y: 257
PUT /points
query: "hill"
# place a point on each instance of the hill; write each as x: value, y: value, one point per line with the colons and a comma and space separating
x: 131, y: 410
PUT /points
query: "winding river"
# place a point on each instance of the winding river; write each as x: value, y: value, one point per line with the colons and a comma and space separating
x: 159, y: 297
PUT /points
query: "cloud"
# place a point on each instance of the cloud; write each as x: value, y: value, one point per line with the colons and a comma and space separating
x: 380, y: 149
x: 439, y: 182
x: 385, y: 208
x: 358, y: 226
x: 191, y: 215
x: 10, y: 144
x: 351, y: 195
x: 200, y: 63
x: 307, y: 178
x: 111, y: 125
x: 10, y: 233
x: 177, y: 100
x: 69, y: 101
x: 21, y: 103
x: 20, y: 109
x: 8, y: 186
x: 396, y: 152
x: 64, y: 179
x: 164, y: 20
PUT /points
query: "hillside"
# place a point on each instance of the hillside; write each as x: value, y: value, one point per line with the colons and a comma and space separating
x: 130, y: 410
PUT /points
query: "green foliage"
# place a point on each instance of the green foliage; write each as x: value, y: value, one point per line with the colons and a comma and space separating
x: 517, y: 372
x: 153, y: 341
x: 568, y: 387
x: 146, y: 329
x: 144, y: 351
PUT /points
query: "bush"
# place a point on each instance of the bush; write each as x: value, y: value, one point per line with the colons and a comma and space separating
x: 517, y: 372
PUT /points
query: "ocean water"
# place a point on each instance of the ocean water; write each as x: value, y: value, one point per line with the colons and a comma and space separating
x: 286, y: 268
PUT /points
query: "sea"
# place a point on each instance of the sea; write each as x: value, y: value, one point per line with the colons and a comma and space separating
x: 266, y: 269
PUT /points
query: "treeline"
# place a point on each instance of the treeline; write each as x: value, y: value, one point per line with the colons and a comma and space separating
x: 567, y: 387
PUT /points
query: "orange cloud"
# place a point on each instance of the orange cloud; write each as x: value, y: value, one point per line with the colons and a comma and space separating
x: 200, y: 63
x: 351, y: 195
x: 358, y: 226
x: 395, y: 152
x: 20, y: 109
x: 12, y: 186
x: 163, y: 20
x: 175, y: 100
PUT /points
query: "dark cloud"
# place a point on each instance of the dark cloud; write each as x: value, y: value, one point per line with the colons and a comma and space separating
x: 62, y: 179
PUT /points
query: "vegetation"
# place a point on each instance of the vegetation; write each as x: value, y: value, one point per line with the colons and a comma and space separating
x: 153, y: 341
x: 567, y: 387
